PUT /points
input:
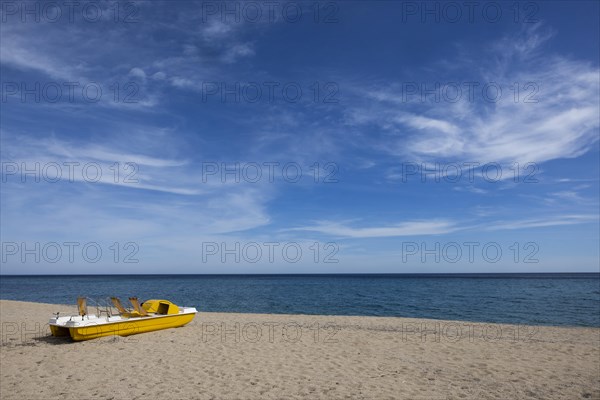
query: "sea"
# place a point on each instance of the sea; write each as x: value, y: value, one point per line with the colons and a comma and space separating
x: 534, y: 299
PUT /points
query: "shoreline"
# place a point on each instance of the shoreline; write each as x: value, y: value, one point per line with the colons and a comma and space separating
x: 235, y: 355
x: 91, y: 308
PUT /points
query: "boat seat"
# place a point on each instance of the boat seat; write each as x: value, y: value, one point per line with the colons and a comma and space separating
x: 122, y: 310
x: 82, y: 306
x: 136, y: 306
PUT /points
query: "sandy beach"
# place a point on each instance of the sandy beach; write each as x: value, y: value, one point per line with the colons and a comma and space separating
x: 256, y: 356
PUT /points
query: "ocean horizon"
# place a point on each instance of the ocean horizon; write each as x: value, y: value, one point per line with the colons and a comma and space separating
x: 560, y: 299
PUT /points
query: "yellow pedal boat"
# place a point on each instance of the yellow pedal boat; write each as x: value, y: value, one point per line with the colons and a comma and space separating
x: 152, y: 315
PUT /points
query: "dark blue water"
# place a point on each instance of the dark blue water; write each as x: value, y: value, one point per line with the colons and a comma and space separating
x: 540, y: 299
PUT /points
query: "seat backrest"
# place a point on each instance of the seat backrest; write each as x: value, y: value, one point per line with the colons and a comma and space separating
x: 82, y: 306
x: 136, y: 306
x: 118, y: 306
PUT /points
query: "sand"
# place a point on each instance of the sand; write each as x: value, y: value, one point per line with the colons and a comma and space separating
x: 258, y: 356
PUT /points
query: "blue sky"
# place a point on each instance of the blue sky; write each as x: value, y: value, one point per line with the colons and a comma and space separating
x: 353, y: 108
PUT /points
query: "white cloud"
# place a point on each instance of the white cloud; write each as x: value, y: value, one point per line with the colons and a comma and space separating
x: 98, y: 152
x: 138, y: 73
x: 556, y: 114
x: 169, y: 202
x: 126, y: 169
x: 159, y: 76
x: 420, y: 122
x: 471, y: 189
x: 62, y: 52
x: 238, y: 51
x: 440, y: 226
x: 410, y: 228
x: 542, y: 222
x: 18, y: 52
x: 216, y: 29
x: 183, y: 83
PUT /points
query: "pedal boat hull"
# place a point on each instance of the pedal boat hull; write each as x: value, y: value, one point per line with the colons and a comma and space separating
x: 91, y: 326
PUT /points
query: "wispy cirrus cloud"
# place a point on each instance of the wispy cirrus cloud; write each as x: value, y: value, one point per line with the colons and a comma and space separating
x: 559, y: 108
x: 179, y: 52
x: 439, y: 226
x: 558, y: 220
x: 409, y: 228
x: 108, y: 164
